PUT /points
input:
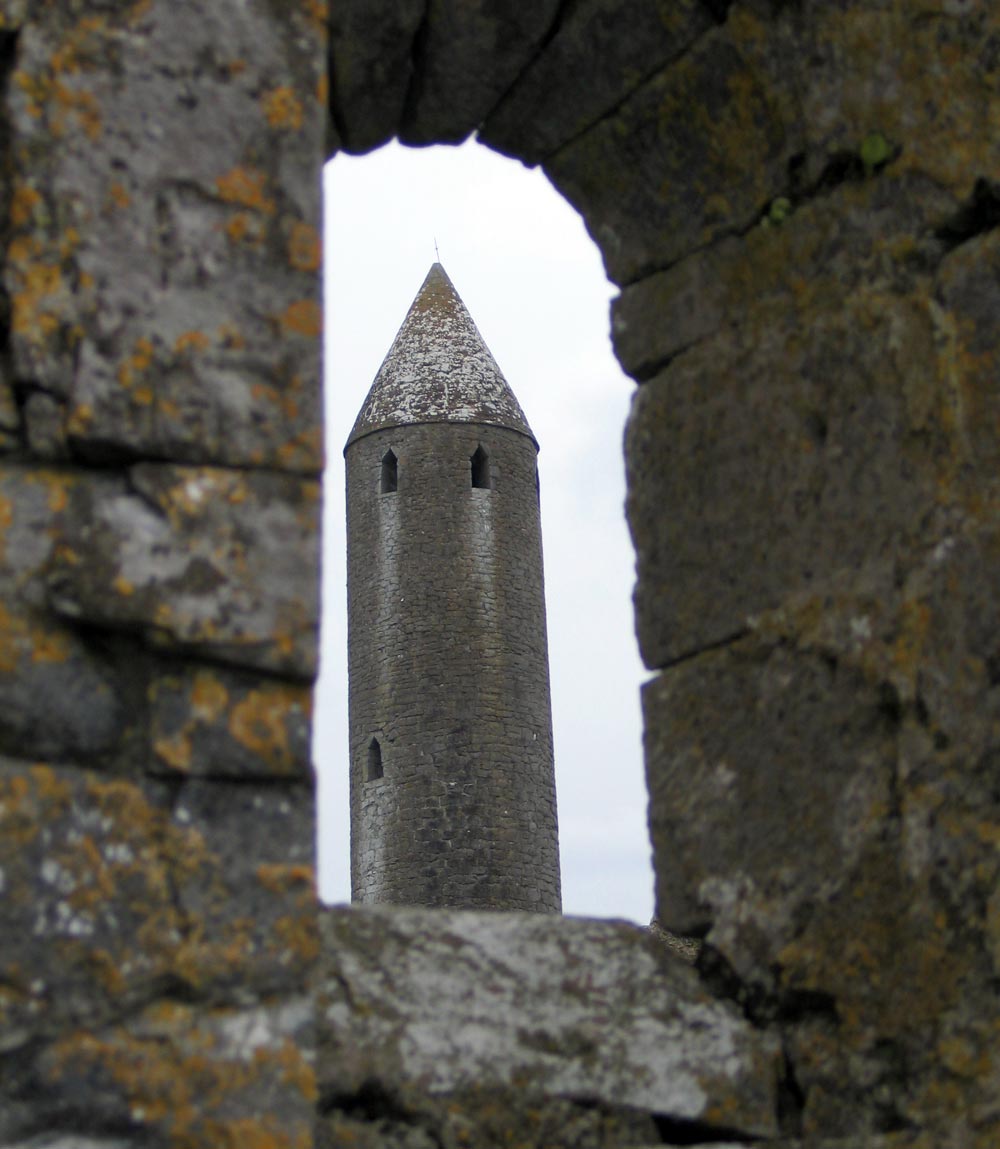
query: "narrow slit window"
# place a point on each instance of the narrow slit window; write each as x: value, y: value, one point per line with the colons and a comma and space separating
x: 374, y: 760
x: 390, y: 473
x: 480, y: 469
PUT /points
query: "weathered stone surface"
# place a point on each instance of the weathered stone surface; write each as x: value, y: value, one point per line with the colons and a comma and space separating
x: 210, y: 561
x: 866, y: 232
x: 180, y: 1075
x: 371, y: 68
x: 88, y: 918
x: 63, y: 695
x: 432, y: 1003
x: 615, y: 45
x: 469, y: 53
x: 968, y: 287
x: 697, y: 151
x: 163, y: 265
x: 251, y: 913
x: 816, y: 452
x: 213, y: 722
x: 845, y: 866
x: 754, y: 804
x: 114, y: 890
x: 926, y: 77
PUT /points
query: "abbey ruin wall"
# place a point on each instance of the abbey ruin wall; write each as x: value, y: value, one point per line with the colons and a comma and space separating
x: 799, y: 203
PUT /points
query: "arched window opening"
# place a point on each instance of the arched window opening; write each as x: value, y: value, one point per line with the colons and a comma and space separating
x: 390, y: 473
x: 480, y: 469
x: 374, y: 760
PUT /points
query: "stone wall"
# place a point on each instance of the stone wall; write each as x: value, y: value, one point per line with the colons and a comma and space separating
x: 161, y: 445
x: 798, y: 202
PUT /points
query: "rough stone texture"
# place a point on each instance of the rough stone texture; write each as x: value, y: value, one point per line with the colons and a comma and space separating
x: 456, y: 1009
x: 160, y: 434
x: 695, y: 152
x: 371, y: 67
x: 162, y: 268
x: 215, y: 561
x: 615, y: 45
x: 802, y: 202
x: 447, y: 651
x: 468, y: 53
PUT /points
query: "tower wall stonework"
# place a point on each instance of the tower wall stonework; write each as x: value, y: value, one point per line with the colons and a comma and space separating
x: 449, y: 672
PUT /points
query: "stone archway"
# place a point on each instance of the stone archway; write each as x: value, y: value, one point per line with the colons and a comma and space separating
x: 798, y: 200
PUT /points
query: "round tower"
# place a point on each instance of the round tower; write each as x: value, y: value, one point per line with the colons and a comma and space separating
x: 452, y: 780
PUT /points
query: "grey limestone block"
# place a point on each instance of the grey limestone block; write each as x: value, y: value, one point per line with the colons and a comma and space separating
x: 372, y: 55
x: 163, y: 267
x: 814, y: 456
x: 114, y: 889
x: 617, y: 46
x: 219, y: 722
x: 828, y: 246
x: 206, y: 560
x: 179, y: 1074
x: 434, y: 1003
x: 648, y: 178
x: 468, y: 54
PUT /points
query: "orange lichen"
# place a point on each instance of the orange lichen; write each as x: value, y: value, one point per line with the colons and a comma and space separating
x: 323, y: 89
x: 258, y: 722
x: 209, y: 698
x: 38, y: 282
x: 305, y: 252
x: 230, y: 337
x: 122, y: 585
x: 303, y: 317
x: 137, y: 363
x: 246, y: 187
x: 283, y: 109
x: 118, y: 194
x: 175, y: 751
x: 192, y: 341
x: 23, y: 203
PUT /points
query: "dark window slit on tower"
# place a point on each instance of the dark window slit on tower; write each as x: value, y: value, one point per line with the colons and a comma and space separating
x: 390, y: 473
x: 480, y: 469
x: 374, y: 760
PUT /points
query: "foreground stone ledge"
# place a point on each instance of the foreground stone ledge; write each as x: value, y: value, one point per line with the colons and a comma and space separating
x: 419, y: 1003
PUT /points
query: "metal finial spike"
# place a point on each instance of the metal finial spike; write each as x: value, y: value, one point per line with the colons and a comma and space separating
x: 437, y: 254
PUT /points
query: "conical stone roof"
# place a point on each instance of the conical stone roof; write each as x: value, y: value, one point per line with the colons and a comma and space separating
x: 438, y: 370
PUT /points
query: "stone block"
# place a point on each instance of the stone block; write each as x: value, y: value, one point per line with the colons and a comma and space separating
x: 695, y: 152
x: 768, y: 772
x: 246, y: 887
x: 813, y: 453
x: 879, y: 233
x: 176, y: 1074
x: 468, y: 53
x: 115, y: 889
x: 209, y: 721
x: 216, y: 562
x: 543, y: 1008
x: 968, y: 287
x: 372, y: 49
x: 617, y: 46
x: 89, y: 921
x: 163, y: 270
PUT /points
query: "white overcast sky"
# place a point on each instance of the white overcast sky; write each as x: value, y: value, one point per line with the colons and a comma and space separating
x: 533, y: 281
